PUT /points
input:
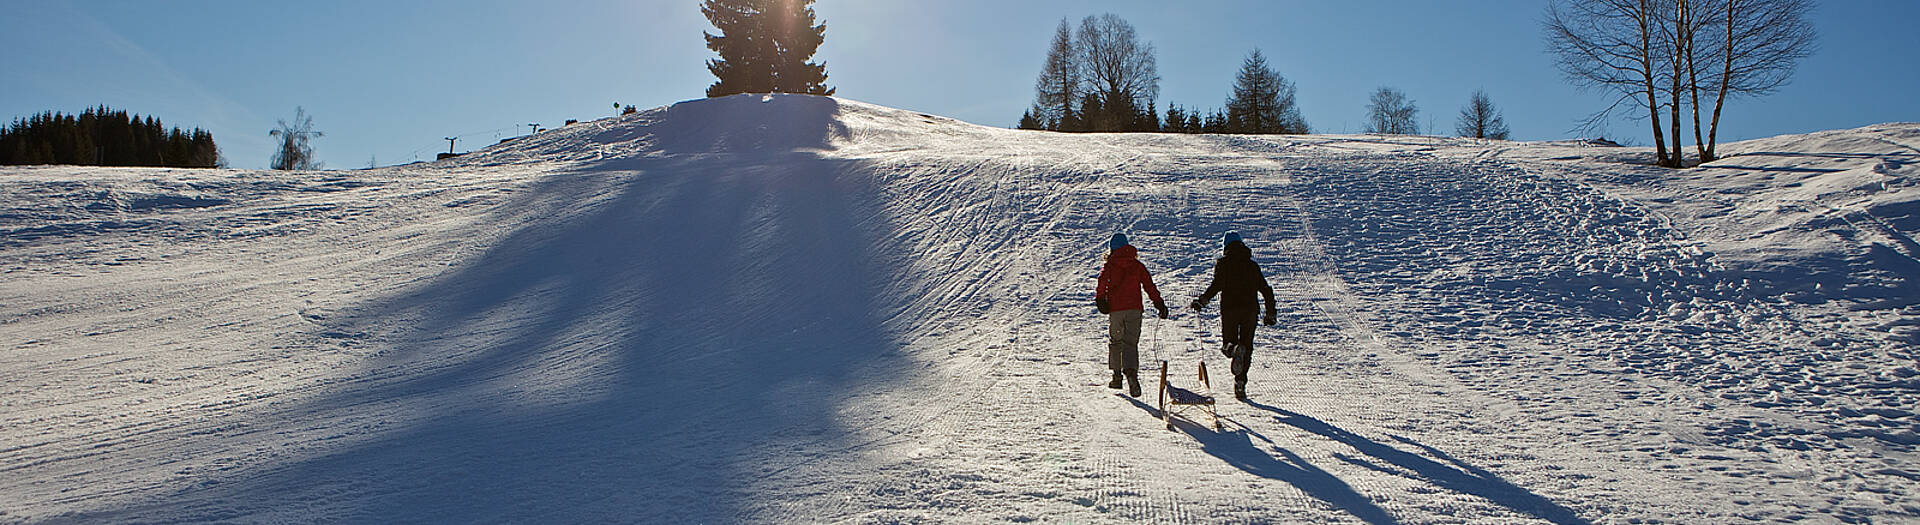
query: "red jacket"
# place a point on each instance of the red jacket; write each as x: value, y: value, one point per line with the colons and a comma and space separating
x: 1121, y: 280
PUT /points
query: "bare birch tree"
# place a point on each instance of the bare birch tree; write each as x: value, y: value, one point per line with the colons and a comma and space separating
x: 1390, y: 112
x: 1760, y: 42
x: 1118, y: 67
x: 1678, y: 29
x: 295, y: 153
x: 1612, y: 45
x: 1642, y: 49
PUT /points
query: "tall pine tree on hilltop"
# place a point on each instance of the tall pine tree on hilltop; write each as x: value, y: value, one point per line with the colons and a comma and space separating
x: 1058, y: 88
x: 764, y: 46
x: 1262, y: 100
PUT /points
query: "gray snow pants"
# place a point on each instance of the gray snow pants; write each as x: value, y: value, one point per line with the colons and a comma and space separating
x: 1123, y: 345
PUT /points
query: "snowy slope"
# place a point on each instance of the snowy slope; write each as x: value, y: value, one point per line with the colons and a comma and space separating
x: 790, y: 308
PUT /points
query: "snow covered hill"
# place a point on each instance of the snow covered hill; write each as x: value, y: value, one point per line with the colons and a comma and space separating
x: 805, y: 309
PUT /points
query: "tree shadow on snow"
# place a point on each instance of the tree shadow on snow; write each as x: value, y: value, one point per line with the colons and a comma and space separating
x: 1897, y: 156
x: 678, y: 328
x: 1449, y: 473
x: 1772, y: 169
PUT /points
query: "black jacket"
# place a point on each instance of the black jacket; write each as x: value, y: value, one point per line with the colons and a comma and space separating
x: 1236, y: 277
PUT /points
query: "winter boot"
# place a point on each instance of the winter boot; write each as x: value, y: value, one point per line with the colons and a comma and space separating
x: 1133, y: 383
x: 1115, y: 383
x: 1226, y: 349
x: 1240, y: 390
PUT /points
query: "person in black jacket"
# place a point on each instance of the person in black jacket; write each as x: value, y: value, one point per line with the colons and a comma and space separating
x: 1236, y: 277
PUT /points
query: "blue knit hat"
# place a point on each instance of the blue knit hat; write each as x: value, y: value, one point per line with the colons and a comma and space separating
x: 1230, y: 238
x: 1119, y: 239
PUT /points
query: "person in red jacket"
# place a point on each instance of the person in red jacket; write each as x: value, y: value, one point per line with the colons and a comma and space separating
x: 1118, y: 295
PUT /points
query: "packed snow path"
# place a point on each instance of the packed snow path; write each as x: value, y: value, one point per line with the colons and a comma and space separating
x: 808, y: 309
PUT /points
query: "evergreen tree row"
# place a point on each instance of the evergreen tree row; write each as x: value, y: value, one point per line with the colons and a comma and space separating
x: 1101, y: 78
x: 103, y: 136
x: 1261, y: 103
x: 1094, y: 114
x: 1217, y: 121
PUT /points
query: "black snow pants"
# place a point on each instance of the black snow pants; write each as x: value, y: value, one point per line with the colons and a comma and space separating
x: 1236, y: 328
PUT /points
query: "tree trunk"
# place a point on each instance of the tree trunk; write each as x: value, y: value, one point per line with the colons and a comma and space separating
x: 1673, y: 90
x: 1692, y: 81
x: 1693, y: 86
x: 1678, y: 150
x: 1066, y: 104
x: 1652, y: 88
x: 1726, y: 76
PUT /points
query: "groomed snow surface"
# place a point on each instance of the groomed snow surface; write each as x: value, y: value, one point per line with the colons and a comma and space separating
x: 804, y: 309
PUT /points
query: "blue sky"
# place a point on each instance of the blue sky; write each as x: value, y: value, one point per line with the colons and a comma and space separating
x: 387, y: 80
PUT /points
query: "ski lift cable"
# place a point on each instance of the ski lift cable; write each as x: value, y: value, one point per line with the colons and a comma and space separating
x: 494, y: 130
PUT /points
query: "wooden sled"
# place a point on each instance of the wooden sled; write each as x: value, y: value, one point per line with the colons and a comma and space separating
x: 1173, y: 397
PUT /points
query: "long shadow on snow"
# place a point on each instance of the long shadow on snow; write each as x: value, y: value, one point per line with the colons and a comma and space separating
x: 1454, y: 475
x: 1901, y: 157
x: 1239, y: 450
x: 640, y: 361
x: 1778, y: 169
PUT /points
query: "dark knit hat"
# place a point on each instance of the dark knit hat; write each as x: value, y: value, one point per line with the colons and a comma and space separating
x: 1119, y: 239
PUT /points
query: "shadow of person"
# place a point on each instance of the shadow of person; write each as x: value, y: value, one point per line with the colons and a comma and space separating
x: 1237, y: 448
x: 1454, y: 474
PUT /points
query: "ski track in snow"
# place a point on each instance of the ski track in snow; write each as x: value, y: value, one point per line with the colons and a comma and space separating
x: 795, y: 308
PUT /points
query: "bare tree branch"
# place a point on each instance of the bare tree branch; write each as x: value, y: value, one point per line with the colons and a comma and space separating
x: 1612, y: 45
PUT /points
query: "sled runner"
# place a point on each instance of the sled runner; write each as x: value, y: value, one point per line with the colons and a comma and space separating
x: 1173, y: 397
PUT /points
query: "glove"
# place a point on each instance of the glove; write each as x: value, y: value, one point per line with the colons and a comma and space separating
x: 1100, y: 304
x: 1272, y: 319
x: 1162, y: 307
x: 1197, y: 305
